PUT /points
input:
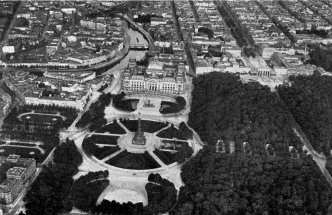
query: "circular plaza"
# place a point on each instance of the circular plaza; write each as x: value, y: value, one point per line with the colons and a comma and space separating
x: 138, y: 145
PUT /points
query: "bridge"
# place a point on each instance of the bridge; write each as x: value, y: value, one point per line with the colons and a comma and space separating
x: 138, y: 47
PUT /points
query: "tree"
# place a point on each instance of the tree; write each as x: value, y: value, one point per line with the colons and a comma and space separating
x: 161, y: 194
x: 87, y: 189
x: 218, y: 183
x: 50, y: 193
x: 206, y: 31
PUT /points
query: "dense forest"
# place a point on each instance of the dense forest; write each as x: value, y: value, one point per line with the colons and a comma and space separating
x: 218, y: 183
x: 309, y: 98
x: 223, y: 108
x: 86, y: 190
x: 238, y: 182
x: 161, y: 194
x: 50, y: 193
x: 321, y: 56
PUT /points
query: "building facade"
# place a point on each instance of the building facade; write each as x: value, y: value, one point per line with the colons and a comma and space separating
x: 156, y: 78
x: 18, y: 177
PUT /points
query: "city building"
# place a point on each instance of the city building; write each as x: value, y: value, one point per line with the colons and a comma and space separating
x: 19, y: 172
x: 156, y: 78
x: 78, y: 77
x: 4, y: 104
x: 36, y: 90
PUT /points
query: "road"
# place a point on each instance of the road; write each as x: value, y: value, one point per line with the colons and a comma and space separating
x: 93, y: 98
x: 115, y: 83
x: 47, y: 24
x: 112, y: 61
x: 11, y: 25
x: 123, y: 53
x: 320, y: 159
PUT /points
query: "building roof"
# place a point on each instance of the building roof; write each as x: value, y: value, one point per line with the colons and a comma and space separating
x: 16, y: 171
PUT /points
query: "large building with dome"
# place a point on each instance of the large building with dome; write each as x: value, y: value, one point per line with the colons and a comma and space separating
x: 157, y: 77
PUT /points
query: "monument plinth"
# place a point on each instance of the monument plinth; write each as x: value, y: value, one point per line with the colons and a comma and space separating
x: 139, y: 138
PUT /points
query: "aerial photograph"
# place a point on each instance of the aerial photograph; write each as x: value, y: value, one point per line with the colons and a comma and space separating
x: 173, y: 107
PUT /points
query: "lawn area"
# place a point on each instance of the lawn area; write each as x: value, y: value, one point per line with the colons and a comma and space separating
x: 25, y: 152
x: 46, y: 111
x: 130, y: 124
x: 152, y: 126
x: 69, y: 113
x: 21, y: 144
x: 91, y: 149
x: 37, y: 118
x: 113, y: 128
x: 147, y: 125
x: 164, y: 156
x: 110, y: 140
x: 172, y: 132
x: 128, y: 160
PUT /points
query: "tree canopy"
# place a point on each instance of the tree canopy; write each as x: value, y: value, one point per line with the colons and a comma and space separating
x: 309, y: 99
x: 50, y: 193
x: 217, y: 183
x: 246, y: 178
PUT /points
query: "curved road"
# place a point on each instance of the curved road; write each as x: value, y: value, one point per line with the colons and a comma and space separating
x: 118, y: 58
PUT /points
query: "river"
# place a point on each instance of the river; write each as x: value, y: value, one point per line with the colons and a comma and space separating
x: 135, y: 54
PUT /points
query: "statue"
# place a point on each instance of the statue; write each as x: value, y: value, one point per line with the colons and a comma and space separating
x: 139, y: 138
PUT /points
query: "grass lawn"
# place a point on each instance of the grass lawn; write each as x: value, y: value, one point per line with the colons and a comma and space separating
x: 164, y: 156
x: 22, y: 144
x: 25, y: 152
x: 152, y: 126
x: 128, y: 160
x: 113, y: 128
x: 110, y: 140
x: 172, y: 132
x: 46, y: 111
x: 147, y: 125
x: 37, y: 118
x: 92, y: 149
x: 130, y: 124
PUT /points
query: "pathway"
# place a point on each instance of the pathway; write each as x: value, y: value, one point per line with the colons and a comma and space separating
x: 157, y: 132
x: 93, y: 98
x: 103, y: 134
x: 13, y: 18
x: 42, y: 151
x: 156, y: 158
x: 112, y: 156
x: 124, y: 127
x: 320, y: 159
x: 33, y: 112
